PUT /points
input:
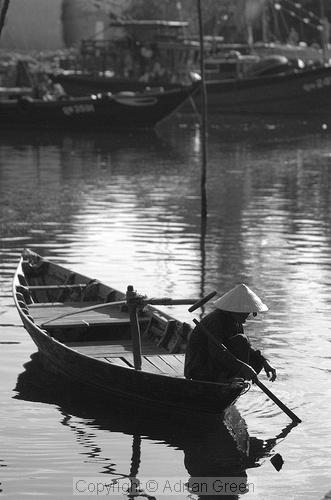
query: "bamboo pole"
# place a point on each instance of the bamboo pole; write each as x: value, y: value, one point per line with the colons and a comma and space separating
x: 204, y: 118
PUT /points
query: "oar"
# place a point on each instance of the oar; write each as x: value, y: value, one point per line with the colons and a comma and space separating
x: 256, y: 381
x: 201, y: 302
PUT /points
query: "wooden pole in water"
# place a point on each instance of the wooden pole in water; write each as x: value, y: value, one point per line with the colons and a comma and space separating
x: 3, y: 14
x: 204, y: 118
x: 135, y: 328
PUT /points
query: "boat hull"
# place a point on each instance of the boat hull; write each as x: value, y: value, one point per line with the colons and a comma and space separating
x: 303, y: 93
x: 77, y: 85
x: 132, y: 385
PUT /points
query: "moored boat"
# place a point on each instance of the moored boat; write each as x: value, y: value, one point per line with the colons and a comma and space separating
x: 91, y: 333
x: 268, y: 85
x: 106, y: 111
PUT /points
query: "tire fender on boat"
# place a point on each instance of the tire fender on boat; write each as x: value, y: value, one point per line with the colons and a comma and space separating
x: 25, y: 104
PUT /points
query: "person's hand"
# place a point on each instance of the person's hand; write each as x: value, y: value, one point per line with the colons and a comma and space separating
x: 270, y: 370
x: 247, y: 372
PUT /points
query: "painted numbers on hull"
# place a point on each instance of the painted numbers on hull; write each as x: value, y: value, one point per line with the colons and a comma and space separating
x: 78, y: 108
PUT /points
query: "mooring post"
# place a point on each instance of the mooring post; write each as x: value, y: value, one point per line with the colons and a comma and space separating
x: 135, y: 329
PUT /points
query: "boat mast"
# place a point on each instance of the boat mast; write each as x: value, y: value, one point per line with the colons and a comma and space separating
x: 265, y: 22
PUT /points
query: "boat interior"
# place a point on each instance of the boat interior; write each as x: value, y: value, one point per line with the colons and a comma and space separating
x: 94, y: 320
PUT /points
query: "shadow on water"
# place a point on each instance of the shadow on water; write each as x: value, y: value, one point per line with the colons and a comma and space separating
x: 213, y: 447
x: 227, y: 128
x: 233, y: 128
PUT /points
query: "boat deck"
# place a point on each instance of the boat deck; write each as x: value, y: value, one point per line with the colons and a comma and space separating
x: 119, y: 352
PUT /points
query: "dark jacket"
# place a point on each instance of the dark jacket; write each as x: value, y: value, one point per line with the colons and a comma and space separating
x: 204, y: 360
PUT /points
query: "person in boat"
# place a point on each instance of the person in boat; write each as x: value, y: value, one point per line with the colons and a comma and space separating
x: 204, y: 360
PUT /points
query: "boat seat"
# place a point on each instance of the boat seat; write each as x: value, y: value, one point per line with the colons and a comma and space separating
x: 116, y: 348
x: 108, y: 315
x: 155, y: 358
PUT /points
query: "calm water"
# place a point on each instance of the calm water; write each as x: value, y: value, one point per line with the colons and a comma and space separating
x: 126, y: 209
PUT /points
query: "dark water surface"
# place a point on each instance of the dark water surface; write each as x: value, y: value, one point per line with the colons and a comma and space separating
x: 125, y: 209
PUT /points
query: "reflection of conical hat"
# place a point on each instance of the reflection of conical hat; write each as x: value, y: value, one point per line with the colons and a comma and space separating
x: 240, y: 299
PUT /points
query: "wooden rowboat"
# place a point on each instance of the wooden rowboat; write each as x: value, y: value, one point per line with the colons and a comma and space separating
x: 118, y: 344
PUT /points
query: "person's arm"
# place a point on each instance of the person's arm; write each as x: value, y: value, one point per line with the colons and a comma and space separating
x: 225, y: 358
x: 262, y: 362
x: 229, y: 362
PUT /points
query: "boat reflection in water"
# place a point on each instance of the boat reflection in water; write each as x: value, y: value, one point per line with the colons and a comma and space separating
x: 212, y: 447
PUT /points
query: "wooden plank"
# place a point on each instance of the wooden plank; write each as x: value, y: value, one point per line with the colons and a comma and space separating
x: 180, y: 357
x: 90, y: 343
x: 56, y: 287
x: 173, y: 362
x: 161, y: 364
x: 126, y: 361
x: 169, y: 329
x: 96, y: 352
x: 149, y: 367
x: 61, y: 306
x: 104, y: 352
x: 158, y: 316
x: 146, y: 366
x: 118, y: 362
x: 114, y: 348
x: 164, y: 369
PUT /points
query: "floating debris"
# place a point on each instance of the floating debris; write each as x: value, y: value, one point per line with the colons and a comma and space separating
x: 277, y: 461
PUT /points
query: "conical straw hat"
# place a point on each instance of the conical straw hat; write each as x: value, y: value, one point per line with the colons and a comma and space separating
x: 240, y: 299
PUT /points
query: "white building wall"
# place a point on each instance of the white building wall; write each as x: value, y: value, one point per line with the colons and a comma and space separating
x: 38, y: 24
